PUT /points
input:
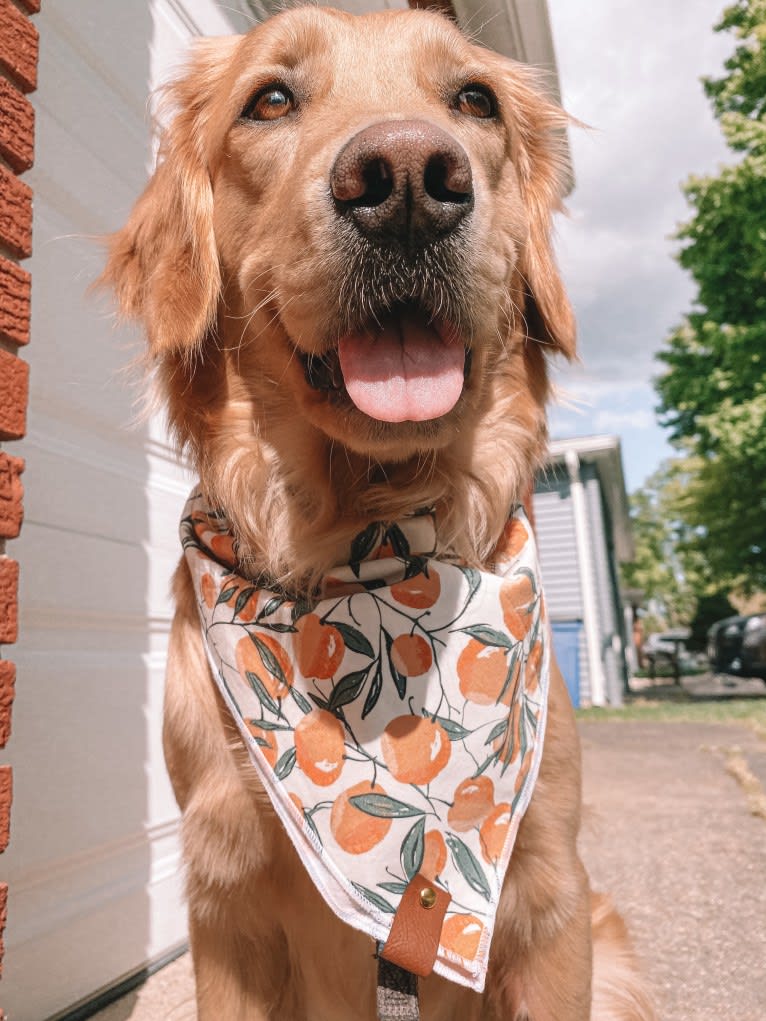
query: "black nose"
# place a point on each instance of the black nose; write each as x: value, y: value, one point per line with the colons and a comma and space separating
x: 404, y: 181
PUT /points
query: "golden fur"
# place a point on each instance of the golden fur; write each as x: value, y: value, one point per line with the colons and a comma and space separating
x: 231, y: 258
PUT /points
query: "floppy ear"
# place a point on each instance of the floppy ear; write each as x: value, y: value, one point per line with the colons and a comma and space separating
x: 163, y: 265
x: 542, y: 166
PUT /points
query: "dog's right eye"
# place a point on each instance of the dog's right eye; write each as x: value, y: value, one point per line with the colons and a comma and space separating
x: 270, y: 104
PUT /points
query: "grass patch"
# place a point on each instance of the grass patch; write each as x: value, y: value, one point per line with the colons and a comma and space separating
x: 751, y: 712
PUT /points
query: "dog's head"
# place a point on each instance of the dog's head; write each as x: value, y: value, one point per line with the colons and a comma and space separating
x: 345, y: 250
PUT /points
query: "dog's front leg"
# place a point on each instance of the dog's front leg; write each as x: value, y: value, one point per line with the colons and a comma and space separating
x: 239, y: 979
x: 554, y: 980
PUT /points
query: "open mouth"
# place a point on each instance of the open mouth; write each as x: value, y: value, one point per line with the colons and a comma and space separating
x: 402, y: 366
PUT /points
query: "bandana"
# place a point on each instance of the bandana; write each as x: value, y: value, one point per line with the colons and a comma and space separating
x: 396, y: 721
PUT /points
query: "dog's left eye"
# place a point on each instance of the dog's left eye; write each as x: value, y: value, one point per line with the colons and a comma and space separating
x: 270, y: 104
x: 476, y: 101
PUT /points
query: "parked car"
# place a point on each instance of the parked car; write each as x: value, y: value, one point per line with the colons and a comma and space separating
x: 754, y: 646
x: 737, y: 645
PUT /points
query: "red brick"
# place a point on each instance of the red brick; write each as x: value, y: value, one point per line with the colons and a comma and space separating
x: 3, y: 917
x: 6, y: 797
x: 9, y: 601
x: 11, y: 496
x: 15, y: 295
x: 14, y: 388
x: 7, y: 690
x: 15, y: 213
x: 19, y: 45
x: 17, y: 127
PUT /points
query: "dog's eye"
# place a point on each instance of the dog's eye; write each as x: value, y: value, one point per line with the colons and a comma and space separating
x: 270, y: 104
x: 476, y: 101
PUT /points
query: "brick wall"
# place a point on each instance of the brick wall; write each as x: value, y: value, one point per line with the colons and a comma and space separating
x: 18, y: 77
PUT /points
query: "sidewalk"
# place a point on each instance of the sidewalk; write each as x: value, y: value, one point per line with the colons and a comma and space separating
x: 669, y: 832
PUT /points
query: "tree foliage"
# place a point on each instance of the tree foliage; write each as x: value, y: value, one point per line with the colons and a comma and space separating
x: 713, y: 390
x: 659, y: 569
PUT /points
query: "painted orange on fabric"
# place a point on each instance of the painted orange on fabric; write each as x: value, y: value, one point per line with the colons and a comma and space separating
x: 517, y: 601
x: 418, y: 592
x: 355, y: 831
x: 494, y: 830
x: 461, y: 935
x: 249, y: 660
x: 319, y: 747
x: 509, y: 743
x: 411, y: 655
x: 534, y: 663
x: 514, y: 538
x: 415, y: 749
x: 434, y: 854
x: 482, y: 670
x: 266, y: 740
x: 208, y: 588
x: 472, y: 802
x: 319, y: 647
x: 223, y: 547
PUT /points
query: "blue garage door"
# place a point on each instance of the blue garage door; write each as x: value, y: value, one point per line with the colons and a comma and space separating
x: 566, y: 644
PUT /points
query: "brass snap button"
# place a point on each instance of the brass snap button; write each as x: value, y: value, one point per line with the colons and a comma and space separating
x: 427, y: 897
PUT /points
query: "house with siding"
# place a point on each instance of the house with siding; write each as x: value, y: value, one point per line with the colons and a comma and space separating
x: 583, y: 529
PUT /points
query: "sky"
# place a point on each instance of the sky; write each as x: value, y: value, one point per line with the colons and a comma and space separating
x: 631, y: 71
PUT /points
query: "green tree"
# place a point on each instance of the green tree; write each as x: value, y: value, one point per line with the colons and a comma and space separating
x: 663, y: 569
x: 713, y: 390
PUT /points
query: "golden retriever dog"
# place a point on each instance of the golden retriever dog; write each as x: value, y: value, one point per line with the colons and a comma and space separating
x: 323, y: 177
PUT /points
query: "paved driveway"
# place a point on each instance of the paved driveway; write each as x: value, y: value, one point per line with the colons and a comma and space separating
x: 668, y: 831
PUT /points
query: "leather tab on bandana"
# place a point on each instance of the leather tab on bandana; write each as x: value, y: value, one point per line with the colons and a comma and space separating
x: 413, y: 941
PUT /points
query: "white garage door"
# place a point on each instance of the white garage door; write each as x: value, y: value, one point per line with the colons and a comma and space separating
x: 93, y: 862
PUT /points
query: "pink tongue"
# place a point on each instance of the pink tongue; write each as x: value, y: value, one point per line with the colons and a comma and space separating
x: 405, y: 372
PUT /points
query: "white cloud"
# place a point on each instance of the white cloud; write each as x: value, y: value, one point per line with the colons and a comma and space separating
x: 632, y: 72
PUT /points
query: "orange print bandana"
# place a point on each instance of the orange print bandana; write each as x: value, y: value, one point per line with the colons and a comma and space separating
x: 396, y: 721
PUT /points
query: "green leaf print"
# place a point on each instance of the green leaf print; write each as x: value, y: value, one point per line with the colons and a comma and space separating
x: 473, y: 577
x: 413, y: 846
x: 303, y: 704
x: 374, y: 693
x: 242, y: 599
x: 399, y: 679
x: 226, y: 595
x: 528, y: 573
x: 455, y: 731
x: 393, y: 887
x: 263, y: 696
x: 384, y: 807
x: 269, y: 660
x: 354, y: 639
x: 347, y: 689
x: 270, y: 725
x: 488, y: 636
x: 508, y: 677
x: 284, y: 766
x: 465, y: 861
x: 270, y: 606
x: 375, y: 899
x: 364, y: 543
x: 398, y: 541
x: 498, y: 730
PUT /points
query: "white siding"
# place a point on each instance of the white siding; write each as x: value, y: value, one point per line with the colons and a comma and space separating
x: 93, y: 862
x: 560, y: 558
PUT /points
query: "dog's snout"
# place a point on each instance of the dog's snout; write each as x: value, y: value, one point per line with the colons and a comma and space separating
x: 405, y: 181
